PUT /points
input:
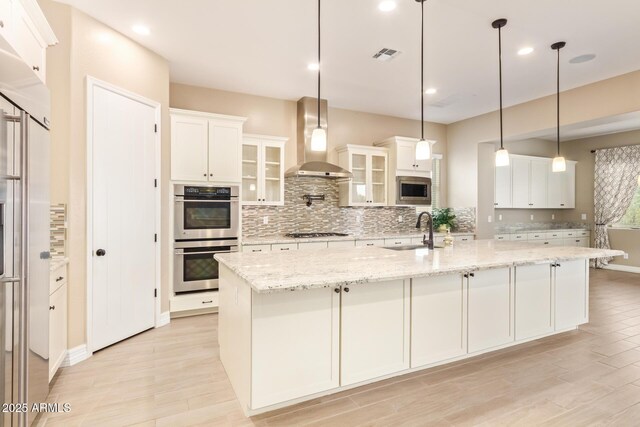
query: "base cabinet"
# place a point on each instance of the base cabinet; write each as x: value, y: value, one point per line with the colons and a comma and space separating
x: 57, y: 329
x: 490, y: 309
x: 533, y: 300
x: 295, y: 345
x: 571, y: 293
x: 374, y: 331
x: 438, y: 319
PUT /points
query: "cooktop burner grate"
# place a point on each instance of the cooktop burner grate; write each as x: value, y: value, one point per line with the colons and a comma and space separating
x: 309, y: 235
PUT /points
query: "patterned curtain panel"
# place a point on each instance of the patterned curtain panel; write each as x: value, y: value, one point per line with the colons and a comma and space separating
x: 616, y: 180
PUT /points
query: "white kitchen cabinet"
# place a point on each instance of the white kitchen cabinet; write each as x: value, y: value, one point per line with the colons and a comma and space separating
x: 562, y: 187
x: 571, y: 293
x: 503, y: 187
x: 57, y: 323
x: 295, y: 344
x: 520, y: 178
x: 341, y: 244
x: 369, y: 168
x: 312, y: 245
x: 6, y: 14
x: 438, y: 319
x: 538, y: 183
x: 402, y: 157
x: 490, y: 309
x: 256, y: 248
x: 374, y: 339
x: 373, y: 242
x: 284, y: 247
x: 263, y: 170
x: 399, y: 241
x: 205, y: 147
x: 533, y: 300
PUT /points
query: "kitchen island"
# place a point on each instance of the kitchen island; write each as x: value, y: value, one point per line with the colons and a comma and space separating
x: 298, y: 325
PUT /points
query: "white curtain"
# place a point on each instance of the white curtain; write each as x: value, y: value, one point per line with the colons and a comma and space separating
x: 616, y: 180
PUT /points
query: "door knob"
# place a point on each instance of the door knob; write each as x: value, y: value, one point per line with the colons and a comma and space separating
x: 101, y: 252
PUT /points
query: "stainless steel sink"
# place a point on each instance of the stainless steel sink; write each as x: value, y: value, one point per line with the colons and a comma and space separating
x: 410, y: 247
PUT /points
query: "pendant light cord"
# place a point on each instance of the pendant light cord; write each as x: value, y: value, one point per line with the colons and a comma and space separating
x: 422, y: 71
x: 319, y: 64
x: 500, y: 74
x: 558, y: 103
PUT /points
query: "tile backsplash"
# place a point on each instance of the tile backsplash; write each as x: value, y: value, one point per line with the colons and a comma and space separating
x: 57, y: 233
x: 327, y: 216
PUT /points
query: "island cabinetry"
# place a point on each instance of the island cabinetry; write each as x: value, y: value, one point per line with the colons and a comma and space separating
x: 490, y: 311
x: 295, y: 345
x: 438, y: 319
x: 533, y: 299
x: 374, y: 330
x: 571, y: 293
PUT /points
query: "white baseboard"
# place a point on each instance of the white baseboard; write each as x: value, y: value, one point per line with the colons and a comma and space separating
x: 163, y: 320
x: 76, y: 355
x: 619, y: 267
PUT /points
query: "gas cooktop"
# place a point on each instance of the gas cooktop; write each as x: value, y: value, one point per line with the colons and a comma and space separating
x: 309, y: 235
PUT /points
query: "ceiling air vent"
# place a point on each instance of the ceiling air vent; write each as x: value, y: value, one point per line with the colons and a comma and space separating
x: 386, y: 54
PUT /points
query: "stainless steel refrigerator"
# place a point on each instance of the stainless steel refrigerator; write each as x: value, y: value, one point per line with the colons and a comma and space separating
x: 24, y: 249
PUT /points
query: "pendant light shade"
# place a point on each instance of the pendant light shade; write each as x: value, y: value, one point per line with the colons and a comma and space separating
x: 502, y: 155
x: 559, y: 163
x: 319, y: 135
x: 423, y: 147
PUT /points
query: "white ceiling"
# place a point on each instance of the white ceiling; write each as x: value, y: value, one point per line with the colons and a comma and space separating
x: 263, y: 48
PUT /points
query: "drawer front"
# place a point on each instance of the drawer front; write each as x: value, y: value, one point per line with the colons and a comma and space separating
x: 57, y: 278
x: 555, y: 235
x: 284, y: 247
x: 522, y: 237
x: 203, y: 301
x: 379, y: 242
x: 342, y: 244
x: 502, y: 237
x: 571, y: 233
x: 256, y: 248
x: 397, y: 242
x: 536, y: 236
x: 581, y: 242
x: 463, y: 238
x: 583, y: 233
x: 416, y: 240
x: 312, y: 245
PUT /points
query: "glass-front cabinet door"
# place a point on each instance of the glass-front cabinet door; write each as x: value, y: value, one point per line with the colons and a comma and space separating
x: 263, y: 170
x: 369, y: 166
x: 378, y: 180
x: 360, y: 171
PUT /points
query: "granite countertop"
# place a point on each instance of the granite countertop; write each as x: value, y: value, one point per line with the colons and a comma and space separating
x: 320, y: 268
x: 57, y: 262
x: 282, y: 239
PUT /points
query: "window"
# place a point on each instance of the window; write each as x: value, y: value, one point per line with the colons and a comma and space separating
x: 632, y: 217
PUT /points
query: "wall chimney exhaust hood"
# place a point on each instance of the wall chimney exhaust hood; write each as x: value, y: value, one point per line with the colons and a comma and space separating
x: 313, y: 163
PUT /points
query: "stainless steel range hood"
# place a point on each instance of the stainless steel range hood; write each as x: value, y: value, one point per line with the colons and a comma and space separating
x: 313, y: 163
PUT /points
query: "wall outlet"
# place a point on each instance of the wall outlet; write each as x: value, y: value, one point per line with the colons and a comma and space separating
x: 625, y: 256
x: 500, y: 217
x: 489, y: 219
x: 400, y: 218
x: 531, y: 217
x: 553, y: 216
x: 584, y: 217
x: 265, y: 220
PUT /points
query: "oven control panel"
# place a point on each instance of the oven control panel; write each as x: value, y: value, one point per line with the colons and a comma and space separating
x: 194, y: 192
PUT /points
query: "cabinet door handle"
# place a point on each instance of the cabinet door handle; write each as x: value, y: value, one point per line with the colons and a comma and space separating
x: 52, y: 307
x: 346, y: 289
x: 466, y: 276
x: 1, y: 24
x: 472, y: 274
x: 336, y: 290
x: 210, y: 174
x: 204, y: 174
x: 59, y: 279
x: 36, y: 68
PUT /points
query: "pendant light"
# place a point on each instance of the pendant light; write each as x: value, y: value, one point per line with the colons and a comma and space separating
x: 423, y: 147
x: 502, y: 155
x: 559, y: 164
x: 319, y: 135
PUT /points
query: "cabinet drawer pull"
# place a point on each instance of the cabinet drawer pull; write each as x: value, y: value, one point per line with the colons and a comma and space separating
x: 256, y: 250
x: 207, y: 302
x: 52, y: 307
x: 369, y: 244
x: 284, y: 249
x: 36, y: 68
x: 59, y: 279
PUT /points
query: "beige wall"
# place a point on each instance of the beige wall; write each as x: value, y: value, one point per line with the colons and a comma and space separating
x: 606, y: 98
x: 93, y: 49
x: 269, y: 116
x: 580, y: 150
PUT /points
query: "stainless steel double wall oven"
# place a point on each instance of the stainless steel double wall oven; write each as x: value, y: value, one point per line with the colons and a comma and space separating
x: 206, y: 222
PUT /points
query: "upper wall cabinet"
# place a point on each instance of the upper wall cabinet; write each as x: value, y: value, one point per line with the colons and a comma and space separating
x: 402, y: 157
x: 206, y: 147
x: 263, y: 170
x: 25, y: 31
x: 529, y: 183
x: 369, y: 167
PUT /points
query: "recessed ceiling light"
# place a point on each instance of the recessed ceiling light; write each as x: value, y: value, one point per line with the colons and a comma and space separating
x: 582, y: 58
x: 314, y: 66
x: 525, y: 51
x: 431, y: 91
x: 387, y: 5
x: 141, y: 29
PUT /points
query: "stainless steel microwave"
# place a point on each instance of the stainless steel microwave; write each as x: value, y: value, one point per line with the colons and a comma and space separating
x: 411, y: 190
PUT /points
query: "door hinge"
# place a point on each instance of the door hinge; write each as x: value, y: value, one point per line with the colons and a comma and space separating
x: 155, y: 237
x: 155, y: 128
x: 155, y: 183
x: 155, y: 293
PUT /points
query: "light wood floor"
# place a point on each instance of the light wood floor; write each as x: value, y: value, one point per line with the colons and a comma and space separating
x: 172, y: 376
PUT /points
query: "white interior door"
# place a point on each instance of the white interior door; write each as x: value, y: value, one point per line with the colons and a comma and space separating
x: 123, y: 216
